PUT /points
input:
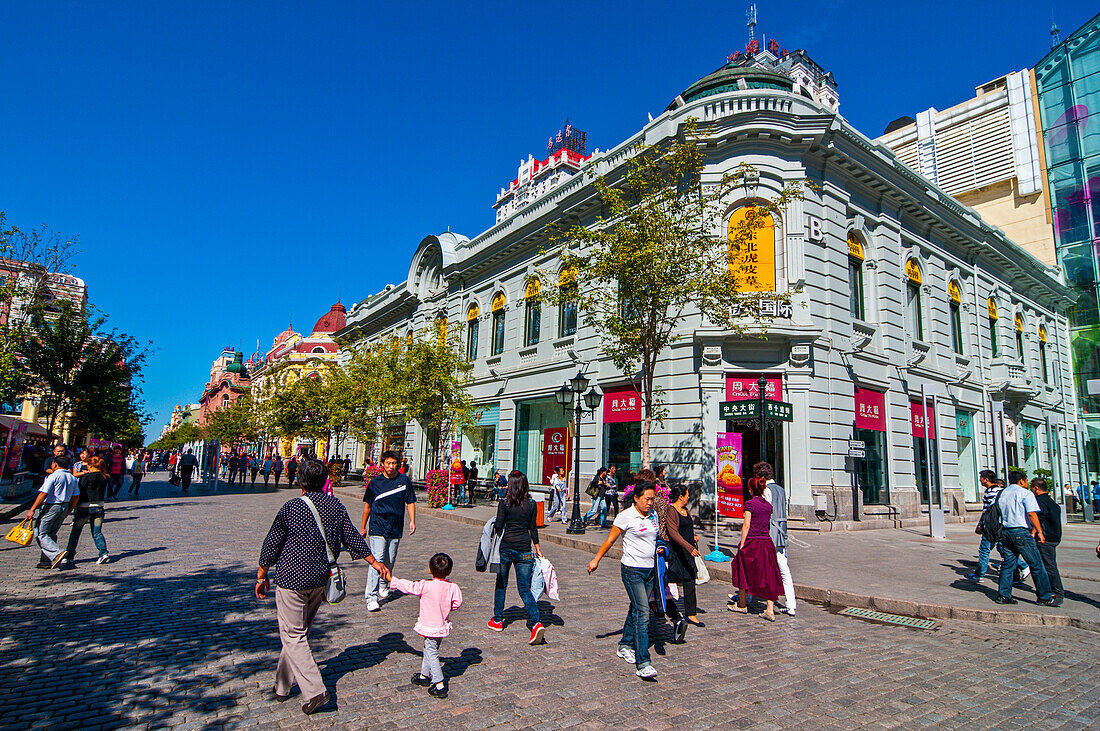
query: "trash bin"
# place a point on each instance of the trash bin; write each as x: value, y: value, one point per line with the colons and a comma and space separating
x: 540, y: 510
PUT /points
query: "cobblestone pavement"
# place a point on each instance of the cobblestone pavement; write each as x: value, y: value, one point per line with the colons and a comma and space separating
x: 168, y: 635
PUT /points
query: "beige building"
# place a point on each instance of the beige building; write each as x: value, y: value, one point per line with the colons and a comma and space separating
x: 987, y: 153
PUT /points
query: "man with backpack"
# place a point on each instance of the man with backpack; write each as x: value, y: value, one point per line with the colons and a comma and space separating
x: 992, y: 488
x: 1020, y: 534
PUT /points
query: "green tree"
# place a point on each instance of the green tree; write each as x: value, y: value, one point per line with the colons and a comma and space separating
x: 81, y: 371
x: 658, y: 253
x: 233, y: 425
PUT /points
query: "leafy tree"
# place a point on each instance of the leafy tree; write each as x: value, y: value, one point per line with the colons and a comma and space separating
x: 81, y: 371
x: 657, y: 254
x: 233, y: 425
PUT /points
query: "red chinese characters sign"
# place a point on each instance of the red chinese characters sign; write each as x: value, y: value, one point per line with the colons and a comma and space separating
x: 744, y: 388
x: 555, y: 452
x: 870, y: 409
x: 620, y: 405
x: 917, y: 417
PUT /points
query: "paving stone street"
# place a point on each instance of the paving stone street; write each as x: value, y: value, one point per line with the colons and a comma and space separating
x: 169, y: 635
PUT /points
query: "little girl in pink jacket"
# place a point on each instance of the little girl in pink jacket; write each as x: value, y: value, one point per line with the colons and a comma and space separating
x: 438, y: 598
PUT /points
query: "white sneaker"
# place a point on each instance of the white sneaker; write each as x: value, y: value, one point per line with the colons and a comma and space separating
x: 788, y: 612
x: 383, y: 592
x: 626, y: 653
x: 1025, y: 573
x: 103, y: 559
x: 646, y: 672
x: 372, y: 605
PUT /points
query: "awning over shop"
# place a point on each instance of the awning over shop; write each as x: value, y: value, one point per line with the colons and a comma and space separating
x: 35, y: 432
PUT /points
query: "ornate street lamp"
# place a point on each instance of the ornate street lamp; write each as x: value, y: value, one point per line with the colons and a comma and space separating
x: 572, y: 396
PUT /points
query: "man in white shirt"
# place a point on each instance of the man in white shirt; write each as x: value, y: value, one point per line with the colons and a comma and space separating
x: 1019, y: 533
x: 60, y: 494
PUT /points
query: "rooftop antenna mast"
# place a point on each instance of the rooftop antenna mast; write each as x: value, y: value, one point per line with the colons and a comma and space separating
x: 1055, y: 34
x: 751, y: 17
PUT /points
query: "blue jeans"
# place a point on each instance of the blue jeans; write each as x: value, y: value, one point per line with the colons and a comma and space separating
x: 984, y: 549
x: 525, y: 566
x: 94, y: 518
x: 49, y: 522
x: 1018, y: 542
x: 558, y: 503
x: 385, y: 550
x: 639, y: 585
x: 598, y: 505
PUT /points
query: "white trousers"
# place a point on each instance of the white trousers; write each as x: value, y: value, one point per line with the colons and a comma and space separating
x: 788, y: 582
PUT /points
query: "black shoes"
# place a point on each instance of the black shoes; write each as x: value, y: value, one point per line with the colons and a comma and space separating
x: 681, y: 631
x: 420, y: 680
x: 1052, y: 602
x: 280, y: 698
x: 314, y: 704
x: 1004, y: 600
x: 436, y: 692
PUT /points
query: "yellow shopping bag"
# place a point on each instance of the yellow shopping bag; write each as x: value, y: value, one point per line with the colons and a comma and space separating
x: 22, y: 534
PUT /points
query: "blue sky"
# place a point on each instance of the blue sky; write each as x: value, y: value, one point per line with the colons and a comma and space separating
x: 232, y: 166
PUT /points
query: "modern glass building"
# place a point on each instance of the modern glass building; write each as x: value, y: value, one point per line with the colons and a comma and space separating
x: 1068, y: 83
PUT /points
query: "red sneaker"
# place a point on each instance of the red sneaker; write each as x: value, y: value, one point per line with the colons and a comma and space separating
x: 496, y: 626
x: 536, y: 634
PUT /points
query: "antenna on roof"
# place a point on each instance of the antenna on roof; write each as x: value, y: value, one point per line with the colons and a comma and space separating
x: 751, y: 17
x: 1055, y: 37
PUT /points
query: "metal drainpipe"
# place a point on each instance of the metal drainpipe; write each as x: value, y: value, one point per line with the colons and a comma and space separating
x: 981, y: 358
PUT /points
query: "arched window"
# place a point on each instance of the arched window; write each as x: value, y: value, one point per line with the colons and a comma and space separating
x: 532, y: 320
x: 567, y: 313
x: 991, y: 309
x: 318, y: 349
x: 498, y: 324
x: 954, y: 301
x: 225, y: 400
x: 471, y: 331
x: 751, y: 236
x: 913, y: 308
x: 1043, y: 352
x: 408, y: 338
x: 1021, y: 353
x: 855, y: 277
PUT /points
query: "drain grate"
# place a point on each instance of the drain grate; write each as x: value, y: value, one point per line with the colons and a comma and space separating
x: 898, y: 619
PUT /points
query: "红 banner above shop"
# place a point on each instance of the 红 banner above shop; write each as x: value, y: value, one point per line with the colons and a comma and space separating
x: 870, y: 409
x: 620, y: 405
x: 917, y: 416
x: 739, y: 388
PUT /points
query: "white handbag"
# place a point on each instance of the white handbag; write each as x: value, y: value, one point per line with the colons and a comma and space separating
x: 336, y: 587
x: 702, y: 575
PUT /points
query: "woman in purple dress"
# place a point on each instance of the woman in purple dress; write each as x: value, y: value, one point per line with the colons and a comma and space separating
x: 755, y: 568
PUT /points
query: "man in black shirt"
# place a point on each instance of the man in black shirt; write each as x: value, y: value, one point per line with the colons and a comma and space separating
x: 1050, y: 520
x: 385, y: 501
x: 187, y: 465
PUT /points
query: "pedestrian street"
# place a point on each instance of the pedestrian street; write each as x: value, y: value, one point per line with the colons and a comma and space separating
x: 169, y: 635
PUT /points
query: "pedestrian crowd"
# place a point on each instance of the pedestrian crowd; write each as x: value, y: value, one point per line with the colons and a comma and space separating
x: 660, y: 565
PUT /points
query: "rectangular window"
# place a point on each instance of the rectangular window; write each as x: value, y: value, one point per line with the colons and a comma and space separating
x: 956, y: 329
x: 567, y: 319
x: 871, y: 473
x: 471, y: 340
x: 993, y: 347
x: 915, y: 320
x: 498, y: 332
x: 855, y: 288
x: 532, y: 323
x: 1020, y: 352
x: 1043, y: 360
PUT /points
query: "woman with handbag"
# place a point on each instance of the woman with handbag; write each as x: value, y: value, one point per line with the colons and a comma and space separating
x: 595, y: 491
x: 683, y: 549
x: 93, y: 490
x: 304, y: 558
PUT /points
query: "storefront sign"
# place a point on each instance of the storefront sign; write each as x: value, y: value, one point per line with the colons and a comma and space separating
x: 489, y: 415
x: 1027, y: 435
x: 917, y: 416
x: 731, y: 496
x: 964, y: 424
x: 1010, y: 430
x: 622, y: 404
x: 739, y: 388
x: 870, y: 409
x: 555, y: 452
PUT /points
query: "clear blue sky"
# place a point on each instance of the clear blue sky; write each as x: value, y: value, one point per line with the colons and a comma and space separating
x: 229, y: 166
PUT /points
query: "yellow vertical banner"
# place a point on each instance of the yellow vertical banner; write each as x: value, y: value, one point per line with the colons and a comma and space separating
x: 752, y: 253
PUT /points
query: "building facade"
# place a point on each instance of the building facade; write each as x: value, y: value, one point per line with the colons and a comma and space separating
x: 230, y: 378
x: 898, y: 290
x: 1068, y: 83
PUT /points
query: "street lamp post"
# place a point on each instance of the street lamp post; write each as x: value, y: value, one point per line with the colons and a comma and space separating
x: 570, y: 396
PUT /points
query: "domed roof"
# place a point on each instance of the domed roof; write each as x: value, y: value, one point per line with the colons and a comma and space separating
x: 284, y: 336
x: 733, y: 77
x: 335, y: 319
x: 237, y: 366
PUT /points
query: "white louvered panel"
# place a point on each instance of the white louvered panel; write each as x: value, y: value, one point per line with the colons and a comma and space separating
x: 908, y: 154
x: 955, y: 158
x: 992, y: 137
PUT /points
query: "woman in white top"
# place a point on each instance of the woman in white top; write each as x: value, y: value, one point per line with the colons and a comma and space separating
x: 557, y: 493
x: 638, y: 527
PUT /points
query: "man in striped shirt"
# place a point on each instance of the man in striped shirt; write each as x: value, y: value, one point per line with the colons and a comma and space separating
x: 991, y: 489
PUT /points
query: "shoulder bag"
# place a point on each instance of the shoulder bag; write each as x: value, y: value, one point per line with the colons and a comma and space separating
x: 336, y: 587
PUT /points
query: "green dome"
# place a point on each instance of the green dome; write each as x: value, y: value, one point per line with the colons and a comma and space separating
x: 734, y: 77
x: 237, y: 366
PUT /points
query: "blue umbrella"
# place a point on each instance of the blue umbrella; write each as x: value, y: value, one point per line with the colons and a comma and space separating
x: 659, y: 589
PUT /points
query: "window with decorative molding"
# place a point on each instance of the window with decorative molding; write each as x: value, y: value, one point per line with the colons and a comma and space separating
x: 498, y: 324
x: 855, y: 277
x: 567, y: 313
x: 471, y: 331
x: 954, y: 296
x: 532, y: 321
x: 914, y: 306
x: 991, y: 310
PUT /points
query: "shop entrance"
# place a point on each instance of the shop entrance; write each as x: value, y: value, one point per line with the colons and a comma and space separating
x: 623, y: 447
x: 533, y: 418
x: 750, y: 448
